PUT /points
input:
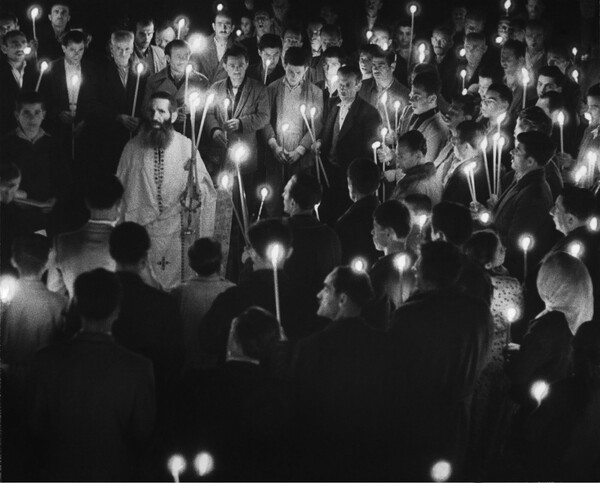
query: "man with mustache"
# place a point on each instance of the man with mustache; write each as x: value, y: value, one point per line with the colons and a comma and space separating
x: 154, y: 171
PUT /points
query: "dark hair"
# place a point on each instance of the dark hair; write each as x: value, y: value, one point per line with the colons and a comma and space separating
x: 578, y: 202
x: 516, y: 47
x: 559, y: 47
x: 476, y: 14
x: 293, y: 28
x: 205, y: 256
x: 177, y: 44
x: 554, y: 73
x: 9, y: 171
x: 6, y: 15
x: 272, y: 230
x: 594, y: 91
x: 537, y: 145
x: 165, y: 95
x: 334, y: 53
x: 467, y: 103
x: 556, y: 100
x: 164, y: 25
x: 535, y: 119
x: 73, y: 36
x: 128, y: 243
x: 142, y: 22
x: 482, y: 246
x: 414, y: 140
x: 419, y: 202
x: 364, y: 176
x: 11, y: 34
x: 586, y: 353
x: 236, y: 50
x: 331, y: 30
x: 305, y: 190
x: 490, y: 72
x: 395, y: 215
x: 356, y: 285
x: 429, y: 82
x: 470, y: 132
x: 29, y: 97
x: 103, y: 192
x: 97, y: 294
x: 444, y: 29
x: 296, y: 56
x: 388, y: 55
x: 350, y: 70
x: 503, y: 91
x: 223, y: 13
x: 270, y: 41
x: 370, y: 49
x: 476, y: 37
x: 30, y: 252
x: 441, y: 263
x: 257, y: 332
x: 535, y: 24
x: 453, y: 220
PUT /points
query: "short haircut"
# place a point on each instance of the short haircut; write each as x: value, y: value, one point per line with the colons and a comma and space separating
x: 97, y: 294
x: 364, y: 176
x: 9, y: 172
x: 467, y: 103
x: 27, y: 98
x: 143, y: 22
x: 350, y: 70
x: 167, y: 96
x: 395, y: 215
x: 535, y: 119
x: 270, y: 41
x: 388, y: 55
x: 444, y: 29
x: 482, y: 246
x: 441, y: 263
x: 578, y: 202
x: 13, y: 34
x: 305, y: 190
x: 475, y: 37
x: 476, y: 14
x: 205, y: 256
x: 265, y: 232
x: 164, y: 25
x: 236, y: 50
x: 103, y: 192
x: 419, y: 202
x: 332, y: 30
x: 129, y: 243
x: 177, y: 44
x: 558, y: 47
x: 73, y: 37
x: 424, y: 69
x: 224, y: 13
x: 594, y: 91
x: 293, y: 29
x: 428, y: 82
x: 453, y: 220
x: 257, y: 332
x: 537, y: 145
x: 490, y: 72
x: 516, y: 47
x: 296, y: 56
x: 470, y: 132
x: 370, y: 49
x: 30, y: 252
x: 263, y: 8
x: 414, y: 140
x: 554, y: 73
x: 403, y: 21
x: 334, y: 53
x: 356, y: 285
x: 10, y: 16
x: 122, y: 36
x: 503, y: 91
x: 535, y: 25
x: 556, y: 100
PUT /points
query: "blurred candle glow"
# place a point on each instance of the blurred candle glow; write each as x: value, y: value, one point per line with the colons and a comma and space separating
x: 177, y: 466
x: 441, y: 471
x: 204, y: 463
x: 539, y: 391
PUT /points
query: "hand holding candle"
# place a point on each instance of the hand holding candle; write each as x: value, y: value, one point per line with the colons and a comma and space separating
x: 284, y: 129
x: 525, y: 79
x: 526, y: 243
x: 267, y: 64
x: 313, y: 113
x: 43, y: 68
x: 139, y: 69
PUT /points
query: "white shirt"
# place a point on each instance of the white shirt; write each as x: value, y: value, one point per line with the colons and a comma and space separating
x: 18, y: 74
x: 73, y: 90
x: 221, y: 48
x: 344, y: 109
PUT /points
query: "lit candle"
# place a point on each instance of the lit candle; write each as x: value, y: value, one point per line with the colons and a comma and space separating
x: 485, y: 217
x: 284, y: 130
x: 303, y: 113
x: 588, y: 117
x: 525, y: 78
x: 275, y: 252
x: 219, y: 7
x: 73, y: 108
x: 575, y: 249
x: 511, y: 316
x: 226, y: 104
x: 383, y: 132
x: 575, y: 75
x: 375, y: 146
x: 43, y: 68
x: 396, y: 110
x: 35, y: 11
x: 412, y: 8
x: 226, y: 184
x: 139, y: 69
x: 499, y: 40
x: 507, y: 6
x: 441, y: 471
x: 495, y: 163
x: 469, y: 172
x: 193, y: 102
x: 176, y: 466
x: 317, y: 210
x: 501, y: 142
x: 580, y: 174
x: 462, y: 52
x: 499, y: 120
x: 240, y: 153
x: 196, y: 42
x: 180, y: 25
x: 574, y: 52
x: 209, y: 100
x: 401, y: 262
x: 421, y: 221
x: 313, y: 113
x: 264, y: 192
x: 188, y: 70
x: 594, y: 223
x: 8, y: 288
x: 238, y: 32
x: 539, y: 391
x: 359, y: 264
x: 525, y: 242
x: 383, y: 100
x: 463, y: 75
x: 592, y: 157
x: 204, y: 463
x: 483, y: 146
x: 561, y: 122
x: 421, y: 53
x: 267, y: 64
x: 369, y: 35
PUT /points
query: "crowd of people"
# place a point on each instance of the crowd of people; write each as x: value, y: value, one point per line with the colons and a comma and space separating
x: 332, y: 246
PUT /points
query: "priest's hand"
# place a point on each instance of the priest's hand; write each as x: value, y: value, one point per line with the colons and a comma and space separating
x: 294, y: 156
x: 492, y: 202
x: 233, y: 125
x: 384, y: 154
x: 280, y: 154
x: 129, y: 122
x: 220, y: 138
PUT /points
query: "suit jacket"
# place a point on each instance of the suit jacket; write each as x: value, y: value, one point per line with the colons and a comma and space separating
x: 257, y: 72
x: 11, y: 89
x: 329, y: 100
x: 207, y: 62
x: 354, y: 230
x: 395, y: 92
x: 159, y: 60
x: 431, y: 125
x: 93, y: 409
x: 456, y: 188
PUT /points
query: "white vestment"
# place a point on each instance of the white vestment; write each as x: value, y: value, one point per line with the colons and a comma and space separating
x: 154, y: 181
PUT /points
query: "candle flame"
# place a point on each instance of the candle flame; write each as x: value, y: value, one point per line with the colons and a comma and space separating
x: 484, y: 144
x: 285, y: 127
x: 525, y: 75
x: 240, y: 153
x: 268, y: 62
x: 574, y: 51
x: 397, y: 105
x: 384, y: 131
x: 495, y: 137
x: 359, y: 265
x: 225, y: 181
x: 469, y: 168
x: 500, y: 118
x: 204, y: 463
x: 303, y: 109
x: 507, y: 5
x: 412, y: 9
x: 376, y: 145
x: 539, y: 390
x: 197, y: 42
x: 401, y: 262
x: 575, y: 249
x: 441, y: 471
x: 501, y: 142
x: 575, y: 75
x: 592, y: 157
x: 238, y: 32
x: 421, y: 220
x: 313, y: 111
x: 27, y: 50
x: 526, y: 242
x: 140, y: 68
x: 580, y: 173
x: 384, y: 98
x: 335, y: 78
x: 499, y: 39
x: 264, y: 192
x: 8, y: 288
x: 561, y: 118
x: 594, y: 224
x: 485, y: 217
x: 210, y: 99
x: 34, y: 13
x: 462, y: 52
x: 226, y: 102
x: 176, y: 464
x: 463, y: 73
x: 588, y: 117
x: 219, y: 7
x: 194, y: 100
x: 464, y: 92
x: 422, y: 48
x: 511, y: 314
x: 188, y: 69
x: 369, y: 34
x: 275, y: 253
x: 44, y: 66
x: 181, y: 23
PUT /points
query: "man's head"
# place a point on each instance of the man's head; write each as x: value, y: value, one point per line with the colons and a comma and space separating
x: 462, y: 108
x: 164, y: 34
x: 474, y: 21
x: 402, y: 33
x: 269, y: 50
x: 381, y: 37
x: 313, y: 32
x: 532, y: 150
x: 246, y: 24
x: 384, y: 63
x: 372, y: 7
x: 365, y: 58
x: 97, y: 296
x: 161, y: 113
x: 263, y: 234
x: 411, y: 150
x: 424, y: 92
x: 59, y: 15
x: 103, y: 197
x: 391, y: 223
x: 535, y: 9
x: 129, y: 244
x: 533, y: 119
x: 441, y: 40
x: 551, y: 102
x: 178, y: 54
x: 469, y: 135
x: 263, y: 21
x: 331, y: 36
x: 30, y: 111
x: 550, y: 78
x: 296, y: 65
x: 121, y: 47
x: 573, y: 208
x: 344, y: 294
x: 253, y: 334
x: 363, y: 178
x: 30, y: 254
x: 459, y: 15
x: 235, y: 63
x: 593, y: 104
x: 292, y: 37
x: 534, y: 36
x: 10, y: 179
x: 496, y: 101
x: 439, y: 266
x: 557, y: 54
x: 73, y: 46
x: 222, y: 26
x: 475, y: 48
x: 333, y: 58
x: 144, y: 31
x: 487, y: 77
x: 512, y: 56
x: 349, y: 82
x: 451, y: 222
x: 301, y: 194
x: 205, y: 256
x: 8, y: 22
x: 13, y: 46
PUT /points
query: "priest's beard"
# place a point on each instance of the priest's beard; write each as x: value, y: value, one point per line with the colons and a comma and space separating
x: 157, y: 135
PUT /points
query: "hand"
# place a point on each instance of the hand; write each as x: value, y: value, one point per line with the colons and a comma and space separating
x: 129, y: 122
x: 476, y: 207
x: 34, y: 44
x: 492, y: 202
x: 66, y: 117
x: 49, y: 205
x: 181, y: 115
x: 390, y: 175
x: 279, y: 154
x: 384, y: 154
x: 565, y: 161
x: 233, y: 125
x: 316, y: 147
x: 246, y: 254
x: 293, y: 156
x: 220, y: 138
x: 509, y: 351
x: 78, y: 128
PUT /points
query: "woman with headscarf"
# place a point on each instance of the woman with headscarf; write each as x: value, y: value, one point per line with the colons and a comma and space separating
x: 565, y: 287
